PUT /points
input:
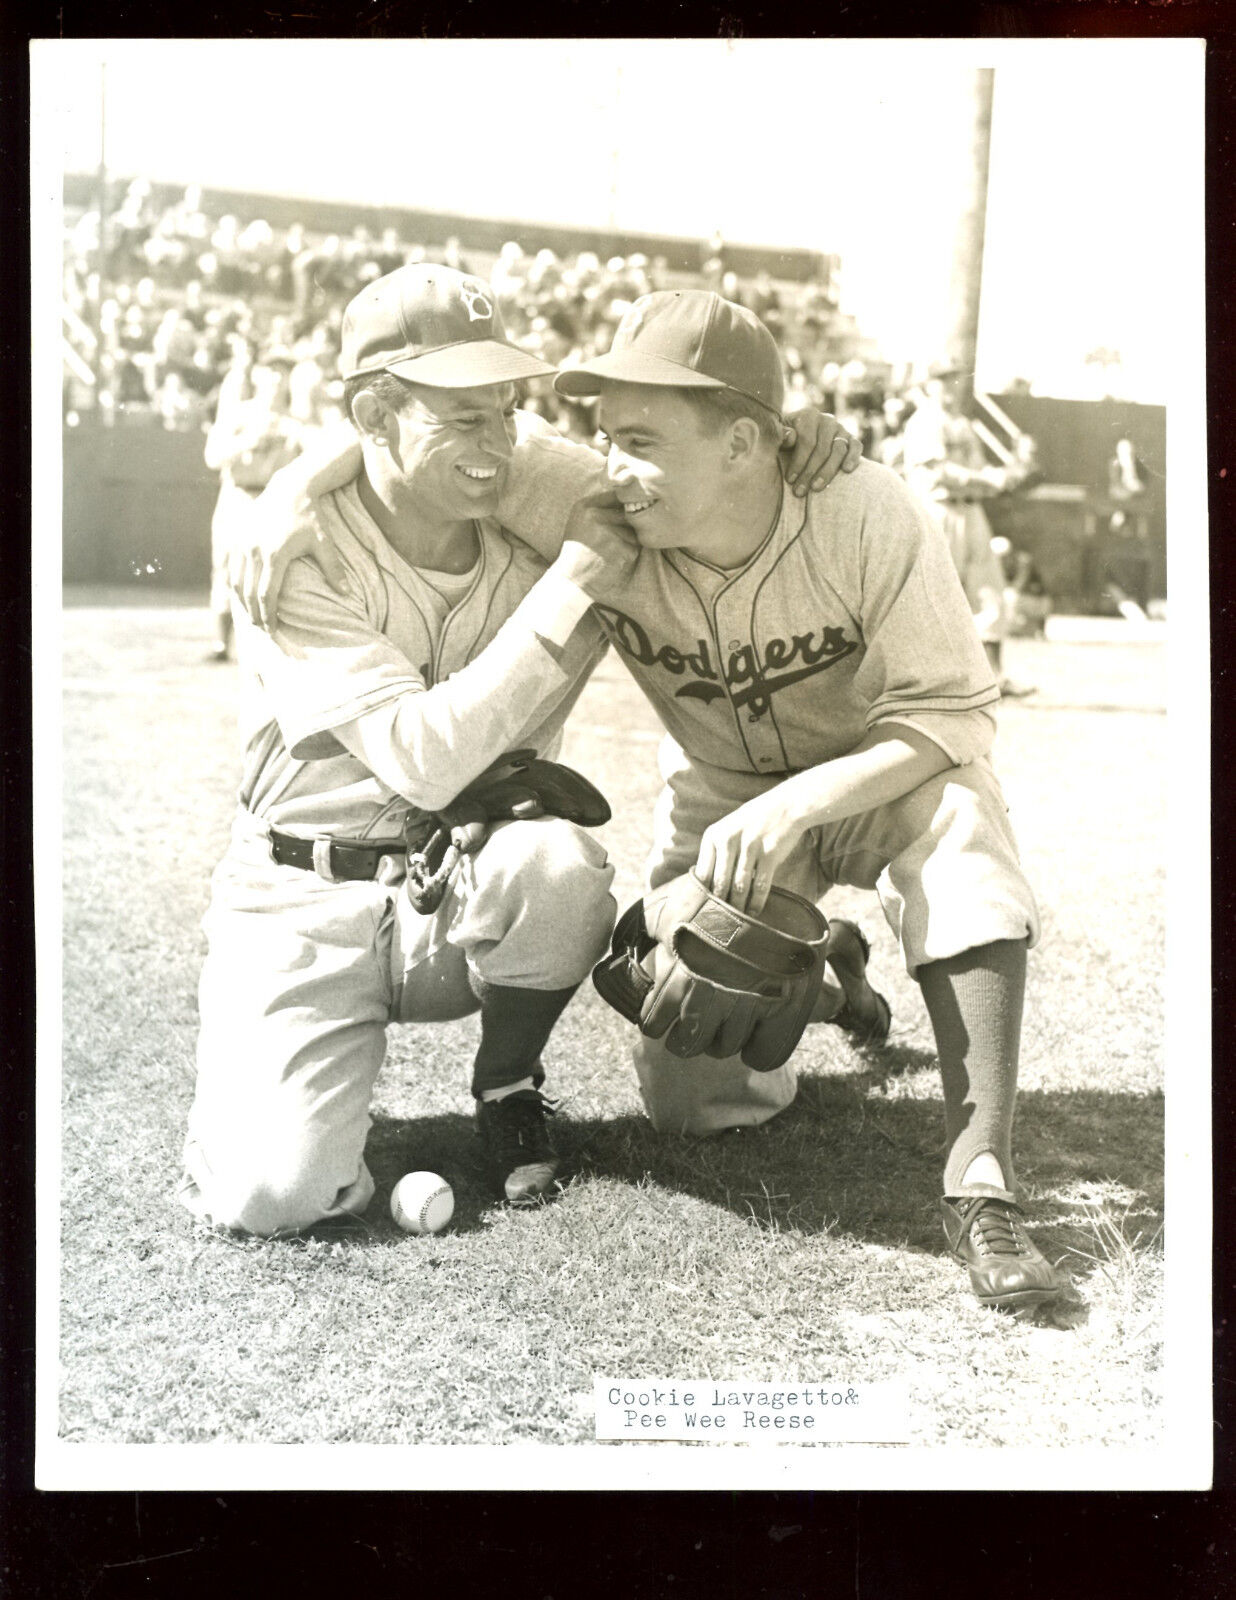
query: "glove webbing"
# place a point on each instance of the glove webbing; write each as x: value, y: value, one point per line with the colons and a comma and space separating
x: 786, y: 940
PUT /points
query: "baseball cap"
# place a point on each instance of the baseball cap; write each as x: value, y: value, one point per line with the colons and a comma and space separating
x: 432, y: 325
x: 689, y: 339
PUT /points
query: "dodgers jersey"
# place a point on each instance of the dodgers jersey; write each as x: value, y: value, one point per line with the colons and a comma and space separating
x: 359, y: 703
x: 849, y: 614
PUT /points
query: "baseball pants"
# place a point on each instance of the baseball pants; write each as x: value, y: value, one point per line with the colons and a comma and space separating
x: 302, y: 977
x: 942, y: 859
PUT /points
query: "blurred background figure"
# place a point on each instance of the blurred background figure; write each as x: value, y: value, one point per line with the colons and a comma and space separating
x: 943, y: 460
x: 254, y: 434
x: 1125, y: 555
x: 1027, y: 604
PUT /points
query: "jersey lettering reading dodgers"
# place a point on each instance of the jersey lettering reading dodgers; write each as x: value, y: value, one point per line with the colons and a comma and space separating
x: 848, y: 615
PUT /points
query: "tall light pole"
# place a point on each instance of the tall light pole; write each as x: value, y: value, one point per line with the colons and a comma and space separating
x: 101, y: 190
x: 966, y: 281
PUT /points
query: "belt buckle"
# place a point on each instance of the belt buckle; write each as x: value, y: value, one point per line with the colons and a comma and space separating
x: 324, y: 859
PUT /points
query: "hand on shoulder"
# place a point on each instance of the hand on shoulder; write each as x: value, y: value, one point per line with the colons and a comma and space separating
x: 285, y: 522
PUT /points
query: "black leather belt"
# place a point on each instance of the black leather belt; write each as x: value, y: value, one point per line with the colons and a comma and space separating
x: 336, y: 860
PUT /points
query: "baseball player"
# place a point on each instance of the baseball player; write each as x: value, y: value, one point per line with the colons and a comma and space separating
x: 944, y: 462
x: 252, y: 436
x: 447, y: 645
x: 440, y: 642
x: 829, y: 712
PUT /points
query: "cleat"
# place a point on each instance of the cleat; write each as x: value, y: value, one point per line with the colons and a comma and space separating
x: 865, y: 1014
x: 521, y: 1157
x: 1007, y: 1270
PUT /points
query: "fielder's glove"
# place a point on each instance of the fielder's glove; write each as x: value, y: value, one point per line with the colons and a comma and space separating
x: 517, y: 786
x: 709, y: 979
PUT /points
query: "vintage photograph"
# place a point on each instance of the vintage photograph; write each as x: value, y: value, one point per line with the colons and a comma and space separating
x: 605, y: 702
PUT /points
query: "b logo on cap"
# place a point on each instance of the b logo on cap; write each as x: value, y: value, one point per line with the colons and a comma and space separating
x: 480, y: 306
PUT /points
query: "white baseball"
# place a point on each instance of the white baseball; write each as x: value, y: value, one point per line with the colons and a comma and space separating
x: 422, y: 1202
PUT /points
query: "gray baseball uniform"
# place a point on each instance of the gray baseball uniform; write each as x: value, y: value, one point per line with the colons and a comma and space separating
x: 848, y: 616
x: 398, y: 692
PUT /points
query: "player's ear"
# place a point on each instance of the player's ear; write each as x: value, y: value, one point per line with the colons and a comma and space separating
x: 371, y: 416
x: 744, y: 441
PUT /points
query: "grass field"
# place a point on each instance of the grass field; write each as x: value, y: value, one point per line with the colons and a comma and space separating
x: 809, y: 1249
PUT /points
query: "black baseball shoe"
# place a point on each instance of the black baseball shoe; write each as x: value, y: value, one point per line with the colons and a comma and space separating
x: 517, y: 1145
x: 865, y: 1014
x: 1007, y: 1270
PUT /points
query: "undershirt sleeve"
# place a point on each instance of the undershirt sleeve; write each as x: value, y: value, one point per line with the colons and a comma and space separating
x: 337, y: 682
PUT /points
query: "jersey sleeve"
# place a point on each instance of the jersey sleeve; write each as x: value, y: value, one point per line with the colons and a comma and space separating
x: 336, y: 682
x: 924, y: 664
x: 547, y: 474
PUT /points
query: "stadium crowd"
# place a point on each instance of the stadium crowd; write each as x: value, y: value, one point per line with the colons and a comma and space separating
x: 173, y: 299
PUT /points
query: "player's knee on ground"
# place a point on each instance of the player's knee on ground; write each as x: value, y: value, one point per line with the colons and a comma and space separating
x: 276, y: 1192
x: 541, y: 912
x: 701, y: 1096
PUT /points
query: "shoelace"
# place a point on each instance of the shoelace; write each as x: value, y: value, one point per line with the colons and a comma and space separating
x: 999, y: 1232
x: 524, y: 1114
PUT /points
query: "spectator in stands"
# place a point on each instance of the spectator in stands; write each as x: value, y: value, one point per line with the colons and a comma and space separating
x: 453, y: 256
x: 310, y: 378
x: 897, y: 412
x: 128, y: 230
x: 166, y: 256
x: 176, y: 405
x: 199, y: 277
x: 765, y: 301
x: 188, y: 219
x: 797, y: 393
x: 388, y: 256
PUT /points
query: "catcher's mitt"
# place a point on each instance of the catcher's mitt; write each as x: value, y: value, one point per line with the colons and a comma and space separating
x: 714, y: 980
x: 517, y: 786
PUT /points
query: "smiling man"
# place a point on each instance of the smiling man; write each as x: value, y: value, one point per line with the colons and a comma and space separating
x: 444, y: 644
x: 829, y: 714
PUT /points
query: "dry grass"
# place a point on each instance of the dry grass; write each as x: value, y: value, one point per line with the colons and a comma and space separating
x: 805, y: 1249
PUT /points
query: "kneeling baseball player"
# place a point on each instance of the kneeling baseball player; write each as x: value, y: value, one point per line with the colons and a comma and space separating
x: 405, y: 848
x: 828, y: 708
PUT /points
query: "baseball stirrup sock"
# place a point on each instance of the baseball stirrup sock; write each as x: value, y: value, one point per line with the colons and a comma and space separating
x: 515, y: 1025
x: 508, y: 1088
x: 975, y: 1002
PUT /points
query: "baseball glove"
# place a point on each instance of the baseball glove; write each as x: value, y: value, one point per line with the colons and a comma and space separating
x: 517, y: 786
x: 709, y: 979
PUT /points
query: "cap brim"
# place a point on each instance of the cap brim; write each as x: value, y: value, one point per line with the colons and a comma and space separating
x: 631, y: 366
x: 470, y: 365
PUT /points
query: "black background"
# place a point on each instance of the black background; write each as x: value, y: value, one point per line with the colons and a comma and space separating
x: 525, y: 1543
